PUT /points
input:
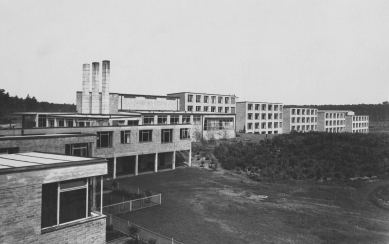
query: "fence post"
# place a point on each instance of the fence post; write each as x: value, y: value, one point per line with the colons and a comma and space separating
x: 130, y: 205
x: 110, y: 219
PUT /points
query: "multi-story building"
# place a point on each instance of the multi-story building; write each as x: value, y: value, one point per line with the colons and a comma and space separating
x: 299, y: 119
x: 332, y: 120
x: 357, y: 123
x: 51, y: 198
x: 203, y: 102
x: 259, y: 117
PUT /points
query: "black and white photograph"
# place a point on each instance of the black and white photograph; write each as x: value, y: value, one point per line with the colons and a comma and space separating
x: 194, y: 122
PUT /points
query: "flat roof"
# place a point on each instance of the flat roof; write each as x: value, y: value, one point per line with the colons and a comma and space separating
x: 143, y: 112
x: 259, y: 102
x: 39, y: 160
x: 45, y: 136
x: 200, y: 93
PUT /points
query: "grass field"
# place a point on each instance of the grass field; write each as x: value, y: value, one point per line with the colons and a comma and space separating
x: 200, y: 206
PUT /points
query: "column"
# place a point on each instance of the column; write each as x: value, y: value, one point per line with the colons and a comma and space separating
x: 136, y: 164
x: 174, y: 160
x: 114, y: 167
x: 156, y: 162
x: 190, y: 157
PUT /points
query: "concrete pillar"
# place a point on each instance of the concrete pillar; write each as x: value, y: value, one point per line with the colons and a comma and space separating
x: 95, y: 88
x: 168, y: 119
x: 136, y: 164
x: 105, y: 87
x: 114, y: 167
x: 156, y: 162
x: 190, y: 157
x: 85, y: 89
x: 174, y: 160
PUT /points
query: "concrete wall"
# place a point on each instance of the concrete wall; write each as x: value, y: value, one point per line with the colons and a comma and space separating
x: 147, y: 103
x: 49, y: 145
x: 241, y: 110
x: 21, y: 203
x: 286, y: 121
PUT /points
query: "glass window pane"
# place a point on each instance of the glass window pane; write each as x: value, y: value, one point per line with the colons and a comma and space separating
x: 72, y: 183
x: 72, y: 205
x: 49, y: 205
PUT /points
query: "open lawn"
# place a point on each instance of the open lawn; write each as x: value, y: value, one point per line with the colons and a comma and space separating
x: 201, y: 206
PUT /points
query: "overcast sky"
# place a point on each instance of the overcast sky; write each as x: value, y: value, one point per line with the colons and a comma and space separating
x: 294, y: 52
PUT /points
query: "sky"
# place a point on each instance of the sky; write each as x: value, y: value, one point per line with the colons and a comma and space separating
x: 293, y: 52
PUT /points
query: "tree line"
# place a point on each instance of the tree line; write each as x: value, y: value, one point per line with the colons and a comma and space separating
x: 376, y: 112
x: 10, y: 104
x: 314, y: 155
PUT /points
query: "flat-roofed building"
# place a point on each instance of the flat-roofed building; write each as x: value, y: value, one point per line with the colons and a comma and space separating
x: 357, y: 123
x: 332, y: 120
x: 205, y: 102
x: 259, y: 117
x: 299, y: 119
x: 51, y: 198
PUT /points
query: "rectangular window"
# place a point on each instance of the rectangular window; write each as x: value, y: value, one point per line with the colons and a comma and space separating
x: 270, y: 107
x: 250, y: 126
x: 232, y: 100
x: 263, y: 125
x: 186, y: 119
x: 10, y: 150
x: 68, y: 201
x: 213, y: 109
x: 227, y: 110
x: 218, y: 124
x: 220, y: 99
x: 249, y: 107
x: 263, y: 107
x: 220, y: 109
x: 145, y: 135
x: 133, y: 122
x: 226, y: 100
x: 198, y: 98
x: 104, y: 139
x: 250, y: 116
x: 293, y: 120
x: 190, y: 98
x: 205, y: 108
x: 162, y: 120
x: 51, y: 122
x: 190, y: 108
x: 256, y: 125
x: 275, y: 116
x: 198, y: 108
x: 256, y: 116
x: 125, y: 136
x: 269, y: 116
x: 166, y: 135
x: 69, y: 123
x: 206, y: 99
x: 61, y: 123
x: 148, y: 120
x: 263, y: 116
x: 42, y: 120
x: 78, y: 149
x: 174, y: 119
x: 213, y: 98
x: 197, y: 120
x: 184, y: 133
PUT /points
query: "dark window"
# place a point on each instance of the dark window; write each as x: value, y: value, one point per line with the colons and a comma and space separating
x: 49, y: 204
x: 218, y: 124
x: 10, y: 150
x: 125, y: 136
x: 61, y: 123
x: 174, y: 120
x: 42, y: 120
x: 186, y: 119
x: 190, y: 98
x: 198, y: 98
x: 166, y: 135
x: 190, y: 108
x: 148, y: 120
x: 197, y: 120
x: 51, y: 122
x: 79, y: 149
x: 69, y: 123
x: 104, y: 139
x: 184, y: 133
x: 206, y: 99
x: 133, y: 122
x: 220, y: 99
x: 162, y: 119
x: 145, y: 135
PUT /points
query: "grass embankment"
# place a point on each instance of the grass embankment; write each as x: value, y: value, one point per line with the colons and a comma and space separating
x: 309, y: 156
x: 203, y: 206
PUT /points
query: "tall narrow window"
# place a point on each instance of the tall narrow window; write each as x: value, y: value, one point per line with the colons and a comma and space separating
x: 125, y: 136
x: 220, y: 99
x: 226, y: 100
x: 190, y: 108
x: 198, y: 98
x: 206, y: 99
x: 166, y: 135
x: 42, y: 120
x: 190, y: 98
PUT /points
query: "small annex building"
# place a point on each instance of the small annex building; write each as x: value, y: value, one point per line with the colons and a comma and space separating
x: 51, y: 198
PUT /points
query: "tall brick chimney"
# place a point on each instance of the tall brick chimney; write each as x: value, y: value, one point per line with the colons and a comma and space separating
x: 105, y: 89
x: 85, y: 106
x: 95, y: 88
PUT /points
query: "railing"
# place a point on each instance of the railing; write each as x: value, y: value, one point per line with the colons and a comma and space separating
x: 144, y: 234
x: 146, y: 198
x: 133, y: 205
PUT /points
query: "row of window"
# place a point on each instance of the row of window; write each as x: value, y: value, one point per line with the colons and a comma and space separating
x: 218, y: 124
x: 104, y: 138
x: 211, y: 99
x: 360, y: 118
x: 304, y: 128
x: 43, y: 121
x: 264, y: 107
x: 304, y: 120
x: 174, y: 119
x: 360, y: 131
x: 304, y: 111
x: 335, y: 122
x: 358, y: 125
x: 212, y: 109
x: 264, y: 116
x: 335, y: 115
x: 264, y: 125
x: 337, y: 129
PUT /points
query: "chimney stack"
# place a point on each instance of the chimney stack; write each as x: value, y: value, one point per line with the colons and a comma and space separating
x: 95, y: 88
x: 85, y: 89
x: 105, y: 89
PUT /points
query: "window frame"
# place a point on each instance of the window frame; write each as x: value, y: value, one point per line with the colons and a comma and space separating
x: 99, y: 139
x: 125, y: 137
x: 149, y: 136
